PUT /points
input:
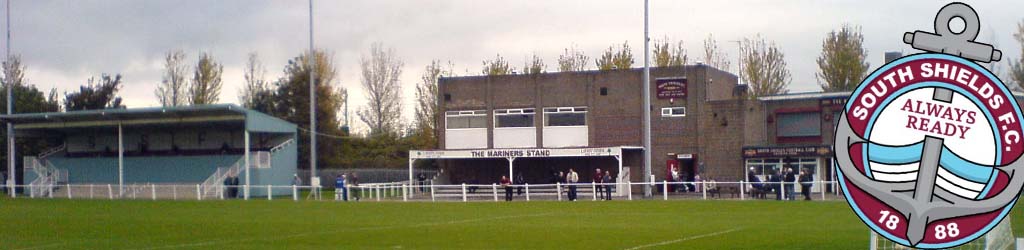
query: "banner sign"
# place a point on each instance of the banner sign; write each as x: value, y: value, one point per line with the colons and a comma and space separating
x: 668, y: 88
x: 513, y: 153
x: 797, y: 151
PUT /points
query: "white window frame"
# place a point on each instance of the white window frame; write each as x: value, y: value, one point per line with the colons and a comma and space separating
x: 461, y: 113
x: 518, y: 111
x: 667, y: 112
x: 565, y: 110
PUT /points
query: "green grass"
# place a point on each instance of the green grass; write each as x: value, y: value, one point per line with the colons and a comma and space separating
x: 281, y: 224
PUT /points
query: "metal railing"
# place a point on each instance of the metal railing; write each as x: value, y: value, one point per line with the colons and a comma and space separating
x: 216, y: 181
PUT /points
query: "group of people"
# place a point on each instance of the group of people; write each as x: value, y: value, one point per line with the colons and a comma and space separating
x: 779, y: 181
x: 341, y: 184
x: 677, y: 177
x: 231, y: 187
x: 604, y: 181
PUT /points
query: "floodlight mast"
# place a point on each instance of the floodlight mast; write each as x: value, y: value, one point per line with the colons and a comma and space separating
x: 647, y: 105
x: 11, y: 176
x: 312, y: 100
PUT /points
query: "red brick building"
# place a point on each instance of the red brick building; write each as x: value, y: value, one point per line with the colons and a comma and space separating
x: 702, y: 121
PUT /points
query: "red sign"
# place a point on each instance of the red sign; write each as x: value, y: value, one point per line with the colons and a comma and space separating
x: 668, y: 88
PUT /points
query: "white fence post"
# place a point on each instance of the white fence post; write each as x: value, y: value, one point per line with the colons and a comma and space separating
x: 405, y: 192
x: 629, y: 189
x: 782, y: 186
x: 743, y: 190
x: 593, y: 189
x: 269, y: 192
x: 378, y: 193
x: 494, y: 189
x: 199, y: 193
x: 68, y: 187
x: 174, y: 192
x: 527, y: 191
x: 558, y: 189
x: 822, y: 187
x: 110, y: 191
x: 432, y: 198
x: 463, y: 192
x: 664, y: 191
x: 90, y: 190
x: 704, y: 189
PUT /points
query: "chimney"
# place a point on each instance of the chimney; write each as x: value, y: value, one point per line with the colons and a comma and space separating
x: 892, y: 56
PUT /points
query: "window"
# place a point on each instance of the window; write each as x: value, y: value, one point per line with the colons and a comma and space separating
x: 513, y: 118
x: 465, y: 119
x: 673, y: 112
x: 447, y: 97
x: 798, y: 124
x: 604, y: 90
x: 565, y: 116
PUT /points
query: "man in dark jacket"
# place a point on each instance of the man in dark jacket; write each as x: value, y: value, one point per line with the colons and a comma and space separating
x: 598, y: 178
x: 773, y: 180
x: 608, y: 181
x: 790, y: 179
x: 805, y: 184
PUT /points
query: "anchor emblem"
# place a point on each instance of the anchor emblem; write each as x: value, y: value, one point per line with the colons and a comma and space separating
x: 931, y: 188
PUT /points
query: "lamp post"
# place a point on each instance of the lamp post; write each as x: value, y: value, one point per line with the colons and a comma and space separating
x: 647, y: 104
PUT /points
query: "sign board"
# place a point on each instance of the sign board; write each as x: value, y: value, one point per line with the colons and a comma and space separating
x: 792, y: 151
x: 514, y: 153
x: 669, y: 88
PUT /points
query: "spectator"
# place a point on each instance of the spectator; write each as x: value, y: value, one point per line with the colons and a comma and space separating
x: 598, y: 177
x: 296, y: 181
x: 353, y: 180
x: 774, y: 180
x: 675, y: 178
x: 555, y: 177
x: 697, y: 180
x: 608, y: 182
x: 422, y: 180
x: 790, y: 179
x: 805, y: 184
x: 234, y: 188
x: 519, y: 181
x: 506, y: 184
x: 227, y: 187
x: 572, y: 178
x: 339, y: 188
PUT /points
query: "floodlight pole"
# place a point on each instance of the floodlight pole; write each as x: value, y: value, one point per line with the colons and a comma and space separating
x: 312, y: 101
x: 647, y: 105
x: 11, y: 174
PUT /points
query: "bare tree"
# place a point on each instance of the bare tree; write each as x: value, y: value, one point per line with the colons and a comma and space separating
x: 1017, y: 66
x: 14, y: 72
x: 764, y: 67
x: 173, y: 88
x: 572, y: 59
x: 534, y: 65
x: 497, y: 66
x: 843, y: 60
x: 428, y: 106
x: 380, y: 73
x: 206, y: 82
x: 714, y: 56
x: 665, y: 55
x: 256, y: 85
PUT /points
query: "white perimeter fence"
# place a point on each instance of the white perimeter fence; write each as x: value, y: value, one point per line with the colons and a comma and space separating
x: 426, y: 191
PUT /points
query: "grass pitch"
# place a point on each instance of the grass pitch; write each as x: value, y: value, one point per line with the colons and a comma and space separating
x: 283, y: 224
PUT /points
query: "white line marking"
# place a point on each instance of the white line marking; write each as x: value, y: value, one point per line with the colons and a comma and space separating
x: 42, y: 246
x: 218, y: 242
x: 683, y: 239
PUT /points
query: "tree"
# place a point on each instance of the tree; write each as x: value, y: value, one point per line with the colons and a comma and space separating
x: 572, y: 59
x: 95, y: 94
x: 843, y: 60
x: 764, y: 67
x: 427, y: 104
x: 172, y: 90
x: 534, y: 66
x: 383, y: 89
x: 714, y: 56
x: 206, y: 82
x: 27, y: 99
x: 611, y: 59
x: 667, y: 56
x: 291, y: 103
x: 255, y: 94
x: 1017, y: 66
x: 496, y: 67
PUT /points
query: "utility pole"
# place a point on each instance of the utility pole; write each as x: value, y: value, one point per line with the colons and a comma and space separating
x: 11, y: 173
x: 312, y: 101
x: 647, y: 104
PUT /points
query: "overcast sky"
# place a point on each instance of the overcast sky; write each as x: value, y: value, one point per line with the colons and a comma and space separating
x: 63, y: 43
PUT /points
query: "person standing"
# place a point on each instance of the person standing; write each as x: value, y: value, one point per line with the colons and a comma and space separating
x: 506, y: 184
x: 354, y: 181
x: 572, y: 178
x: 608, y: 182
x: 675, y: 178
x: 519, y: 181
x: 598, y: 179
x: 339, y: 187
x: 421, y: 181
x: 790, y: 179
x: 296, y: 181
x: 805, y: 184
x: 775, y: 181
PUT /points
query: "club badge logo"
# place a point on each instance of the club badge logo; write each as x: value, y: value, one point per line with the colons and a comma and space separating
x: 928, y: 148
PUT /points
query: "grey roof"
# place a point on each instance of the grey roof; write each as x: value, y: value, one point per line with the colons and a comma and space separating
x: 254, y: 120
